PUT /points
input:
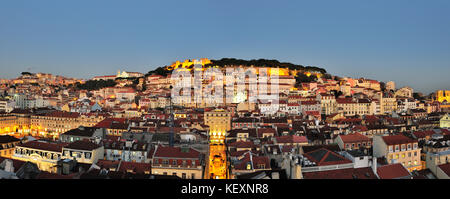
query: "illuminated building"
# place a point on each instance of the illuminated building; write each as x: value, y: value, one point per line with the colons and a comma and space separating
x: 44, y: 154
x: 219, y: 122
x: 54, y: 123
x: 443, y: 95
x: 7, y: 145
x: 7, y: 124
x: 398, y: 149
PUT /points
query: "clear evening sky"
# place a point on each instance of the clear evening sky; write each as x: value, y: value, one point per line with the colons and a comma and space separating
x: 407, y: 41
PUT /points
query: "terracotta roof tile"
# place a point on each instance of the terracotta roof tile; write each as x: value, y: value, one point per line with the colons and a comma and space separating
x: 392, y: 171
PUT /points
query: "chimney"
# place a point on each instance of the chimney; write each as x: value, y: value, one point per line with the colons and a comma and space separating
x: 275, y: 176
x: 298, y: 171
x: 9, y: 166
x: 374, y: 165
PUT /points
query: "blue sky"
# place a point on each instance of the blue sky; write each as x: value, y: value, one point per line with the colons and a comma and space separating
x: 407, y: 41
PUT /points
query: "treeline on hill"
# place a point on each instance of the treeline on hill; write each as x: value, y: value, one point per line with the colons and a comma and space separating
x: 264, y: 63
x: 95, y: 84
x: 254, y: 62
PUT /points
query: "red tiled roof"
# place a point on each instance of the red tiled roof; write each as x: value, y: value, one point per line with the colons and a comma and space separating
x: 344, y: 100
x: 7, y: 139
x: 47, y: 175
x: 56, y: 147
x: 175, y: 152
x: 242, y: 144
x: 423, y: 134
x: 255, y: 160
x: 360, y: 128
x: 397, y: 139
x: 351, y: 173
x: 107, y: 164
x: 324, y: 157
x: 62, y: 114
x: 292, y: 139
x: 309, y: 102
x: 445, y: 168
x: 392, y: 171
x: 83, y: 145
x: 107, y: 123
x: 136, y: 167
x: 355, y: 137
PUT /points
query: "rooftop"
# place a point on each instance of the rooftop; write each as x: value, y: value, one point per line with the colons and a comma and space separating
x: 393, y: 171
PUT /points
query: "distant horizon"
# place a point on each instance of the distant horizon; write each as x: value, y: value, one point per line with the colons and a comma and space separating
x: 405, y: 41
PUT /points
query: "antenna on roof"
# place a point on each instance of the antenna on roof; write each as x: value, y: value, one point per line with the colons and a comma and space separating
x: 171, y: 123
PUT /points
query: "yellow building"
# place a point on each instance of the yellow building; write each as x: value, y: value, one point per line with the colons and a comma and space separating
x: 351, y: 106
x: 398, y: 149
x: 443, y: 95
x: 7, y: 145
x: 219, y: 122
x: 54, y: 123
x: 7, y: 124
x: 388, y: 104
x: 445, y: 121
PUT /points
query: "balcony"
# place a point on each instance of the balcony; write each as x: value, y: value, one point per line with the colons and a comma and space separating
x: 170, y: 166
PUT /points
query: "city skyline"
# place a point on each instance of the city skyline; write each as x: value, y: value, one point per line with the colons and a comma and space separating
x: 402, y: 41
